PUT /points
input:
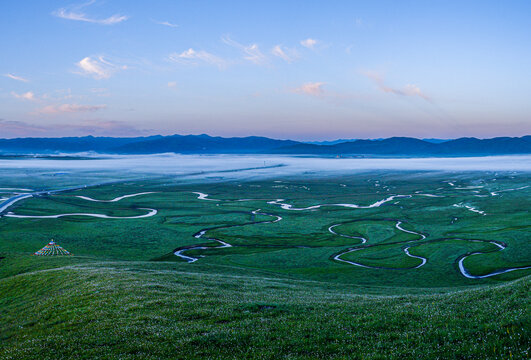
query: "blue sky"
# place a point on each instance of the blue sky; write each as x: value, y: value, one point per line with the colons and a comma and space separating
x: 305, y: 70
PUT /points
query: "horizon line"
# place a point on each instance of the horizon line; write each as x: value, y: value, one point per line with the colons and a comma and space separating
x: 261, y: 136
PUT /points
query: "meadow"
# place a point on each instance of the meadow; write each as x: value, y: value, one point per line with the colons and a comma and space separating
x: 368, y: 264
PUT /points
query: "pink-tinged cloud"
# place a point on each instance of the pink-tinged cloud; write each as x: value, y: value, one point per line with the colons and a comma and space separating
x: 69, y: 108
x: 309, y: 43
x: 9, y: 128
x: 12, y: 129
x: 105, y: 128
x: 414, y: 90
x: 408, y: 90
x: 25, y: 96
x: 17, y: 78
x: 311, y: 88
x: 317, y: 90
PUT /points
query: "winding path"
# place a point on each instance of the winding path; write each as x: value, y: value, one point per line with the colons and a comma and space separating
x: 203, y: 196
x: 330, y: 229
x: 115, y: 199
x: 337, y: 257
x: 200, y: 234
x: 151, y: 212
x: 379, y: 203
x: 11, y: 201
x: 460, y: 260
x: 467, y: 274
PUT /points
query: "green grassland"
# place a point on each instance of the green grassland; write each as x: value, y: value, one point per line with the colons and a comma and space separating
x: 277, y: 292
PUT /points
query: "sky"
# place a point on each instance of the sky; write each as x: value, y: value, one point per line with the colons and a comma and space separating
x: 302, y: 70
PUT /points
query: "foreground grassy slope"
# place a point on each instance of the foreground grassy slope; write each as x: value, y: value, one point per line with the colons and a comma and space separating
x: 138, y: 310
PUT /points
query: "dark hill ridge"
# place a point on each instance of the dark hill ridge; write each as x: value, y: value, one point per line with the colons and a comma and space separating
x: 402, y: 146
x: 205, y: 144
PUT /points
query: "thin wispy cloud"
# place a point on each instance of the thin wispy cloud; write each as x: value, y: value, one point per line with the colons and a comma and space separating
x: 311, y: 88
x: 59, y: 95
x: 69, y: 108
x: 14, y: 77
x: 251, y: 52
x: 192, y: 56
x: 172, y: 84
x: 75, y: 13
x: 54, y: 96
x: 413, y: 90
x: 165, y: 23
x: 98, y: 90
x: 105, y: 128
x: 10, y: 128
x: 101, y: 92
x: 286, y: 54
x: 98, y: 67
x: 408, y: 90
x: 309, y: 43
x: 317, y: 90
x: 25, y: 96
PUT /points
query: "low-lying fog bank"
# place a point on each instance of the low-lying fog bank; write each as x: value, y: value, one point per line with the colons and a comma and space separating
x: 237, y: 166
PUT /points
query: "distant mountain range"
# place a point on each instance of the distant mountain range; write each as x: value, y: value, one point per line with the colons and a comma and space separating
x: 185, y: 144
x: 204, y: 144
x: 329, y: 142
x: 339, y: 141
x: 403, y: 146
